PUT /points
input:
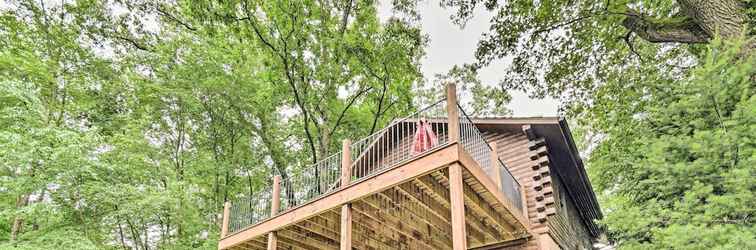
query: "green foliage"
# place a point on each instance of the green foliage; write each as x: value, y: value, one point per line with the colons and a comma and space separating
x: 564, y: 49
x: 676, y: 159
x: 127, y: 124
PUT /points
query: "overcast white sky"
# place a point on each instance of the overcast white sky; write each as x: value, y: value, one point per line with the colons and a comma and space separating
x: 450, y: 45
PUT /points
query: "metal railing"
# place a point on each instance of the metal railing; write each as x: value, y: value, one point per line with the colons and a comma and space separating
x: 311, y: 182
x: 398, y: 142
x: 388, y: 147
x: 402, y: 140
x: 473, y: 143
x: 510, y: 187
x: 249, y: 210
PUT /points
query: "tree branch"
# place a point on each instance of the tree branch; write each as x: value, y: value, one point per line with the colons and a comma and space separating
x: 343, y: 112
x: 345, y: 18
x: 133, y: 42
x: 629, y: 41
x: 171, y: 17
x: 670, y: 30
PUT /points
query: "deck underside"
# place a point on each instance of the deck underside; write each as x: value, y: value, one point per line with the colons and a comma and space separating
x: 414, y: 214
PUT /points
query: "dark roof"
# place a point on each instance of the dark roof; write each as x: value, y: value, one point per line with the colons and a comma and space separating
x: 563, y: 154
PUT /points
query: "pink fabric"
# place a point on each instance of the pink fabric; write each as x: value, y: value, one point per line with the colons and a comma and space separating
x: 424, y: 137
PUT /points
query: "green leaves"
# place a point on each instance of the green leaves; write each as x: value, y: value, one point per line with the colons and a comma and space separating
x: 675, y: 167
x: 132, y: 122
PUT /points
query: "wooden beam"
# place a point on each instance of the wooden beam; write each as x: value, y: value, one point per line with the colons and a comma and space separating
x: 307, y: 238
x: 457, y: 199
x: 346, y: 227
x: 318, y: 225
x: 411, y: 217
x: 346, y: 162
x: 474, y: 169
x: 452, y: 112
x: 436, y: 159
x: 297, y: 241
x: 480, y: 207
x: 346, y: 209
x: 374, y: 235
x: 386, y: 224
x: 226, y: 213
x: 440, y: 194
x: 523, y: 195
x: 276, y: 203
x: 333, y: 217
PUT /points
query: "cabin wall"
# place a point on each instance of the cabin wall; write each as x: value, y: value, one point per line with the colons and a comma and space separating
x: 555, y: 224
x: 565, y: 226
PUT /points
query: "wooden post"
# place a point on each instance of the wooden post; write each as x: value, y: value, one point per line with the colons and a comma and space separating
x: 275, y: 204
x: 346, y: 227
x: 346, y: 209
x: 226, y: 213
x: 496, y: 172
x: 452, y: 112
x: 523, y: 195
x: 346, y: 163
x: 457, y: 200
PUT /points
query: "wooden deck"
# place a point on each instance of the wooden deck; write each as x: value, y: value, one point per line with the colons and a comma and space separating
x: 409, y: 206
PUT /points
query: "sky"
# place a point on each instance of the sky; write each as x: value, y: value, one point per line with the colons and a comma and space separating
x: 450, y: 45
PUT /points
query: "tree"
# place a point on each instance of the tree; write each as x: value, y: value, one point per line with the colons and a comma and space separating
x: 669, y: 116
x: 565, y: 49
x: 675, y: 158
x: 127, y: 124
x: 316, y: 50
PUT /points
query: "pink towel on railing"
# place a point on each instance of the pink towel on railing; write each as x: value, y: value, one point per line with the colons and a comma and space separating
x: 424, y: 137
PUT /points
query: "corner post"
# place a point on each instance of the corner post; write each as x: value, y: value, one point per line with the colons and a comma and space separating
x: 457, y: 200
x: 276, y: 203
x: 496, y: 168
x: 452, y: 112
x: 523, y: 196
x: 226, y: 214
x: 346, y: 209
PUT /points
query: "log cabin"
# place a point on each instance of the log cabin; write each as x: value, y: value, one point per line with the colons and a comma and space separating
x: 436, y: 179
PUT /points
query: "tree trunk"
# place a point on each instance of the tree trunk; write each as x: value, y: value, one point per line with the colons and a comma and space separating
x: 18, y: 222
x: 724, y: 17
x: 701, y: 20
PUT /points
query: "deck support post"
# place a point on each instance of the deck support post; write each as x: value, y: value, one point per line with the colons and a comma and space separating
x: 276, y: 203
x: 452, y: 112
x: 457, y: 200
x: 226, y: 213
x: 346, y: 209
x: 496, y: 171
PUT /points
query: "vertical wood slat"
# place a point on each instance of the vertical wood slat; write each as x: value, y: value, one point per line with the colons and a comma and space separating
x: 276, y: 203
x: 452, y: 112
x: 226, y: 214
x: 457, y: 200
x: 345, y: 241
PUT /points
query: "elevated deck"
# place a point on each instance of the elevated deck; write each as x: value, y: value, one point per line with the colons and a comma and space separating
x: 376, y: 194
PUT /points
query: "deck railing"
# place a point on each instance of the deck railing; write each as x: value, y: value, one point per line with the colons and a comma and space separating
x: 249, y: 210
x: 472, y: 141
x: 510, y: 187
x: 393, y: 145
x: 311, y: 182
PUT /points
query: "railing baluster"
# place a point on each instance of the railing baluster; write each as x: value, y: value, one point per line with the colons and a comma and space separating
x: 382, y: 150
